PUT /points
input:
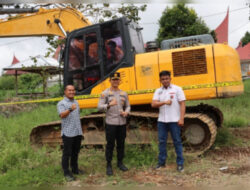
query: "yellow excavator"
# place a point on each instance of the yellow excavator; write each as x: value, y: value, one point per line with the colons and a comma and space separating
x: 92, y: 52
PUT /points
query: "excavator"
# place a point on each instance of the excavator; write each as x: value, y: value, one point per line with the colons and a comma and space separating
x: 93, y: 51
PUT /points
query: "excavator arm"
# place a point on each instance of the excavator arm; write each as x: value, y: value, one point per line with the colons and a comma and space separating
x: 43, y: 23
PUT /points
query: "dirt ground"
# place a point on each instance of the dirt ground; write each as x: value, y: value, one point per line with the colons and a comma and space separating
x: 220, y: 167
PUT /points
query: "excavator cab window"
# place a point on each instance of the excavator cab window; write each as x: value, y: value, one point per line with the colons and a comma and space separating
x: 93, y: 52
x: 83, y: 61
x: 113, y: 50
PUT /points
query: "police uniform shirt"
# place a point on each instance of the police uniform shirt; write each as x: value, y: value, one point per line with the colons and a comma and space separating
x: 169, y: 113
x: 113, y: 113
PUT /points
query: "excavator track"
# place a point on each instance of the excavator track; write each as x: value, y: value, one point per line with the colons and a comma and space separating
x: 50, y: 133
x: 198, y: 134
x: 210, y: 110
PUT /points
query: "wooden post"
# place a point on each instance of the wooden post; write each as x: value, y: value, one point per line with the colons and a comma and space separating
x: 16, y: 85
x: 44, y: 84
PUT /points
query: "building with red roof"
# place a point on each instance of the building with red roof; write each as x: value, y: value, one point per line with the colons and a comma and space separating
x: 222, y: 30
x: 12, y: 72
x: 244, y: 52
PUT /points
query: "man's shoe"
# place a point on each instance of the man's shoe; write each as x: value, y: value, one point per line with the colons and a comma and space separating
x: 158, y: 166
x: 109, y: 171
x: 180, y: 168
x: 78, y: 172
x: 122, y: 167
x: 69, y: 177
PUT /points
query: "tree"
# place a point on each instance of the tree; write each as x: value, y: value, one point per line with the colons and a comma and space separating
x: 180, y: 21
x: 101, y: 12
x: 246, y: 39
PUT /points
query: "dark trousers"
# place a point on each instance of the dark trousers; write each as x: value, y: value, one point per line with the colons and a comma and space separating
x: 175, y: 131
x: 115, y: 133
x: 71, y: 149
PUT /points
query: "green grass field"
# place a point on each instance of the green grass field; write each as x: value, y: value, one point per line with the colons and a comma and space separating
x: 21, y: 165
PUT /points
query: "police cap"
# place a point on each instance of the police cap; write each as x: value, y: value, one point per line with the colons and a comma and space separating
x: 115, y: 75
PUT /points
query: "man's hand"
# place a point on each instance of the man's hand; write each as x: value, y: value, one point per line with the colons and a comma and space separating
x: 124, y: 114
x: 181, y: 122
x: 73, y: 106
x: 168, y: 102
x: 113, y: 102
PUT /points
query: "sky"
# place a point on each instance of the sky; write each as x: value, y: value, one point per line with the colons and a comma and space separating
x: 212, y: 12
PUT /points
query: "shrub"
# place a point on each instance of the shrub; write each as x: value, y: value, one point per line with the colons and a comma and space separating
x: 30, y: 81
x: 7, y: 82
x: 226, y: 138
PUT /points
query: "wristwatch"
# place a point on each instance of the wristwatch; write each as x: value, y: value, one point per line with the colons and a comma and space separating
x: 108, y: 106
x: 70, y: 109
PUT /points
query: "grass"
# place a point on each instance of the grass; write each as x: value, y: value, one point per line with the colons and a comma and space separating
x: 226, y: 138
x: 19, y: 163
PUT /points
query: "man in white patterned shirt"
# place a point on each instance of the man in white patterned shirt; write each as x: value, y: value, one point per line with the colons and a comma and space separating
x: 71, y: 131
x: 170, y: 99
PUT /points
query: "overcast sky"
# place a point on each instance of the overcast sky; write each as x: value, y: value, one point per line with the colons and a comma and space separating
x: 212, y: 13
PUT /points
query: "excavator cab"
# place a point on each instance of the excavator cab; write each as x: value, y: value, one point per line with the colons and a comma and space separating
x: 93, y: 52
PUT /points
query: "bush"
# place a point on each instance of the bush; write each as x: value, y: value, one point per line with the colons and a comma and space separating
x: 226, y: 138
x: 30, y: 81
x: 7, y: 82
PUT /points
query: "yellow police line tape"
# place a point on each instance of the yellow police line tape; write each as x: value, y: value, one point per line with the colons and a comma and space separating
x: 213, y: 85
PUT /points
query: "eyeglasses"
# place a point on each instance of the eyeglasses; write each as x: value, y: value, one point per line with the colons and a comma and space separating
x: 115, y: 79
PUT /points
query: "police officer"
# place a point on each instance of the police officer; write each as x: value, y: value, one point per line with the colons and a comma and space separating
x: 115, y: 103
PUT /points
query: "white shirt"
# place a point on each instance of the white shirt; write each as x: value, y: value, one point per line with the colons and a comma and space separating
x: 169, y: 113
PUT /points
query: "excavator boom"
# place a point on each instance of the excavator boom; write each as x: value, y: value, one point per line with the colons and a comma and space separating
x: 43, y: 23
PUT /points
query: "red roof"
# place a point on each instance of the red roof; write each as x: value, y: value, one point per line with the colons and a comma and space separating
x: 12, y: 72
x: 222, y: 30
x: 15, y: 60
x: 244, y: 52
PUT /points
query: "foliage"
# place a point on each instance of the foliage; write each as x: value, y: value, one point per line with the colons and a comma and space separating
x: 7, y: 82
x: 99, y: 13
x: 213, y: 34
x: 226, y: 138
x: 246, y: 39
x: 180, y: 21
x: 30, y: 81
